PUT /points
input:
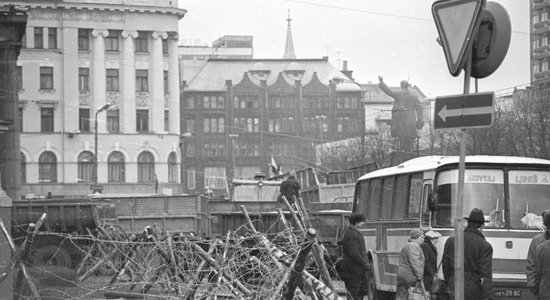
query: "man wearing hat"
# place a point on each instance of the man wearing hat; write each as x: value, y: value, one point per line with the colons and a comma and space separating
x: 478, y: 259
x: 533, y: 283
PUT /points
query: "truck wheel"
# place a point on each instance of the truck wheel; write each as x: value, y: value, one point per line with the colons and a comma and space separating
x: 51, y: 256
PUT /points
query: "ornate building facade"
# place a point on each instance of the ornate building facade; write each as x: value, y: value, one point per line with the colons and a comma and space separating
x: 79, y: 56
x: 241, y: 113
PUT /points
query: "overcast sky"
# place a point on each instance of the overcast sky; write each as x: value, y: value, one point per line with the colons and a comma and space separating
x: 392, y: 38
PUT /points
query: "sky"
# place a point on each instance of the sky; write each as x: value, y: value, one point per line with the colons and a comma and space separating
x: 392, y: 38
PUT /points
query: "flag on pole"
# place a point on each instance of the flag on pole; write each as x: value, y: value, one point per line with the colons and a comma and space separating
x: 275, y: 169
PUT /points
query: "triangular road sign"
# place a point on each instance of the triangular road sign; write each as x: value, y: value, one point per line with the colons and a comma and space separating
x: 457, y: 22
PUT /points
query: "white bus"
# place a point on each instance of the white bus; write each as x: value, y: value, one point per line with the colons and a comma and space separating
x: 512, y: 192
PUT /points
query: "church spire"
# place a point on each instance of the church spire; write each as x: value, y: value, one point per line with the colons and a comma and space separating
x: 289, y: 47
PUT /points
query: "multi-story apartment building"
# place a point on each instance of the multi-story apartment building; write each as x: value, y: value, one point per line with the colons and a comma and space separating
x: 243, y: 112
x: 540, y: 42
x: 79, y: 56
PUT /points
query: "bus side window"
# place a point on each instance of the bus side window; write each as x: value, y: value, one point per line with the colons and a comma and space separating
x: 362, y: 197
x: 387, y: 198
x: 373, y: 202
x: 400, y: 199
x: 426, y: 195
x: 415, y: 196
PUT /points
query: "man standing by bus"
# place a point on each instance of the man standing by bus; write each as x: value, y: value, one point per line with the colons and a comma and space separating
x: 531, y: 268
x: 355, y: 262
x: 478, y: 259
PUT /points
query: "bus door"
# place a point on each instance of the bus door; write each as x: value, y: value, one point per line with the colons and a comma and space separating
x: 427, y: 197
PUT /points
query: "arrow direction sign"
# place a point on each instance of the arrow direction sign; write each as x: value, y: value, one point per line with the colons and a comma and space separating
x: 464, y: 111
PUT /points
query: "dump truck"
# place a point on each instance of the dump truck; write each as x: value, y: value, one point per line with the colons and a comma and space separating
x: 64, y: 235
x: 67, y: 218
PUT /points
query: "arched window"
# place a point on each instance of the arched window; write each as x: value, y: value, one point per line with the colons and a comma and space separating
x: 146, y: 167
x: 172, y: 168
x: 47, y: 167
x: 116, y: 166
x: 23, y: 168
x: 85, y: 166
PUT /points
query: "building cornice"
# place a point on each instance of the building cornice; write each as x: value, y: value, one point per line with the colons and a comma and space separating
x: 30, y: 4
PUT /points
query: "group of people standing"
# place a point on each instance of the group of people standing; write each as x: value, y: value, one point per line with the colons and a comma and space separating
x: 418, y: 262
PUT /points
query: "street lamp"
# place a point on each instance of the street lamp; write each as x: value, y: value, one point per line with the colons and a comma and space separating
x: 233, y: 136
x: 96, y: 188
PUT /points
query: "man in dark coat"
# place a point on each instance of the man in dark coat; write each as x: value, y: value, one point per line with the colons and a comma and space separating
x: 533, y: 281
x: 290, y: 187
x: 478, y: 259
x: 355, y: 262
x: 430, y: 257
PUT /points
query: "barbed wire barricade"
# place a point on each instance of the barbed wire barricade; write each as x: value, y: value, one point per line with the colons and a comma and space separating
x: 154, y: 264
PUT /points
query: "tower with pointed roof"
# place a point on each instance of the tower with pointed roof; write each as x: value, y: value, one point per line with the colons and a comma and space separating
x: 289, y: 46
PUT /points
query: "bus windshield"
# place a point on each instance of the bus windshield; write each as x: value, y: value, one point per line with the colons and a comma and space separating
x: 483, y: 188
x: 529, y: 196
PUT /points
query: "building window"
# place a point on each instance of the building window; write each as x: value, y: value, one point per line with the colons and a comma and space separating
x: 190, y: 150
x: 85, y: 163
x: 112, y: 80
x: 245, y: 102
x: 190, y: 102
x: 84, y: 39
x: 47, y: 167
x: 46, y: 78
x: 215, y: 178
x: 84, y: 120
x: 83, y: 79
x: 166, y: 120
x: 46, y: 119
x: 111, y: 41
x: 214, y: 125
x: 141, y: 42
x: 113, y: 120
x: 52, y: 38
x: 172, y: 168
x: 146, y: 167
x: 247, y: 124
x: 38, y: 37
x: 19, y: 77
x: 142, y: 81
x: 20, y: 112
x: 191, y: 181
x: 116, y: 167
x: 23, y: 168
x: 142, y: 120
x: 164, y: 46
x: 214, y: 102
x: 165, y: 79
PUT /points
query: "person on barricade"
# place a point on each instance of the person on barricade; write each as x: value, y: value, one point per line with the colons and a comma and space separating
x: 478, y: 260
x: 290, y: 187
x: 410, y: 273
x: 355, y: 263
x: 533, y: 279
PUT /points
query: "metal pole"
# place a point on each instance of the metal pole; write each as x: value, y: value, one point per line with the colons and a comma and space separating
x: 459, y: 232
x: 96, y: 188
x: 232, y: 136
